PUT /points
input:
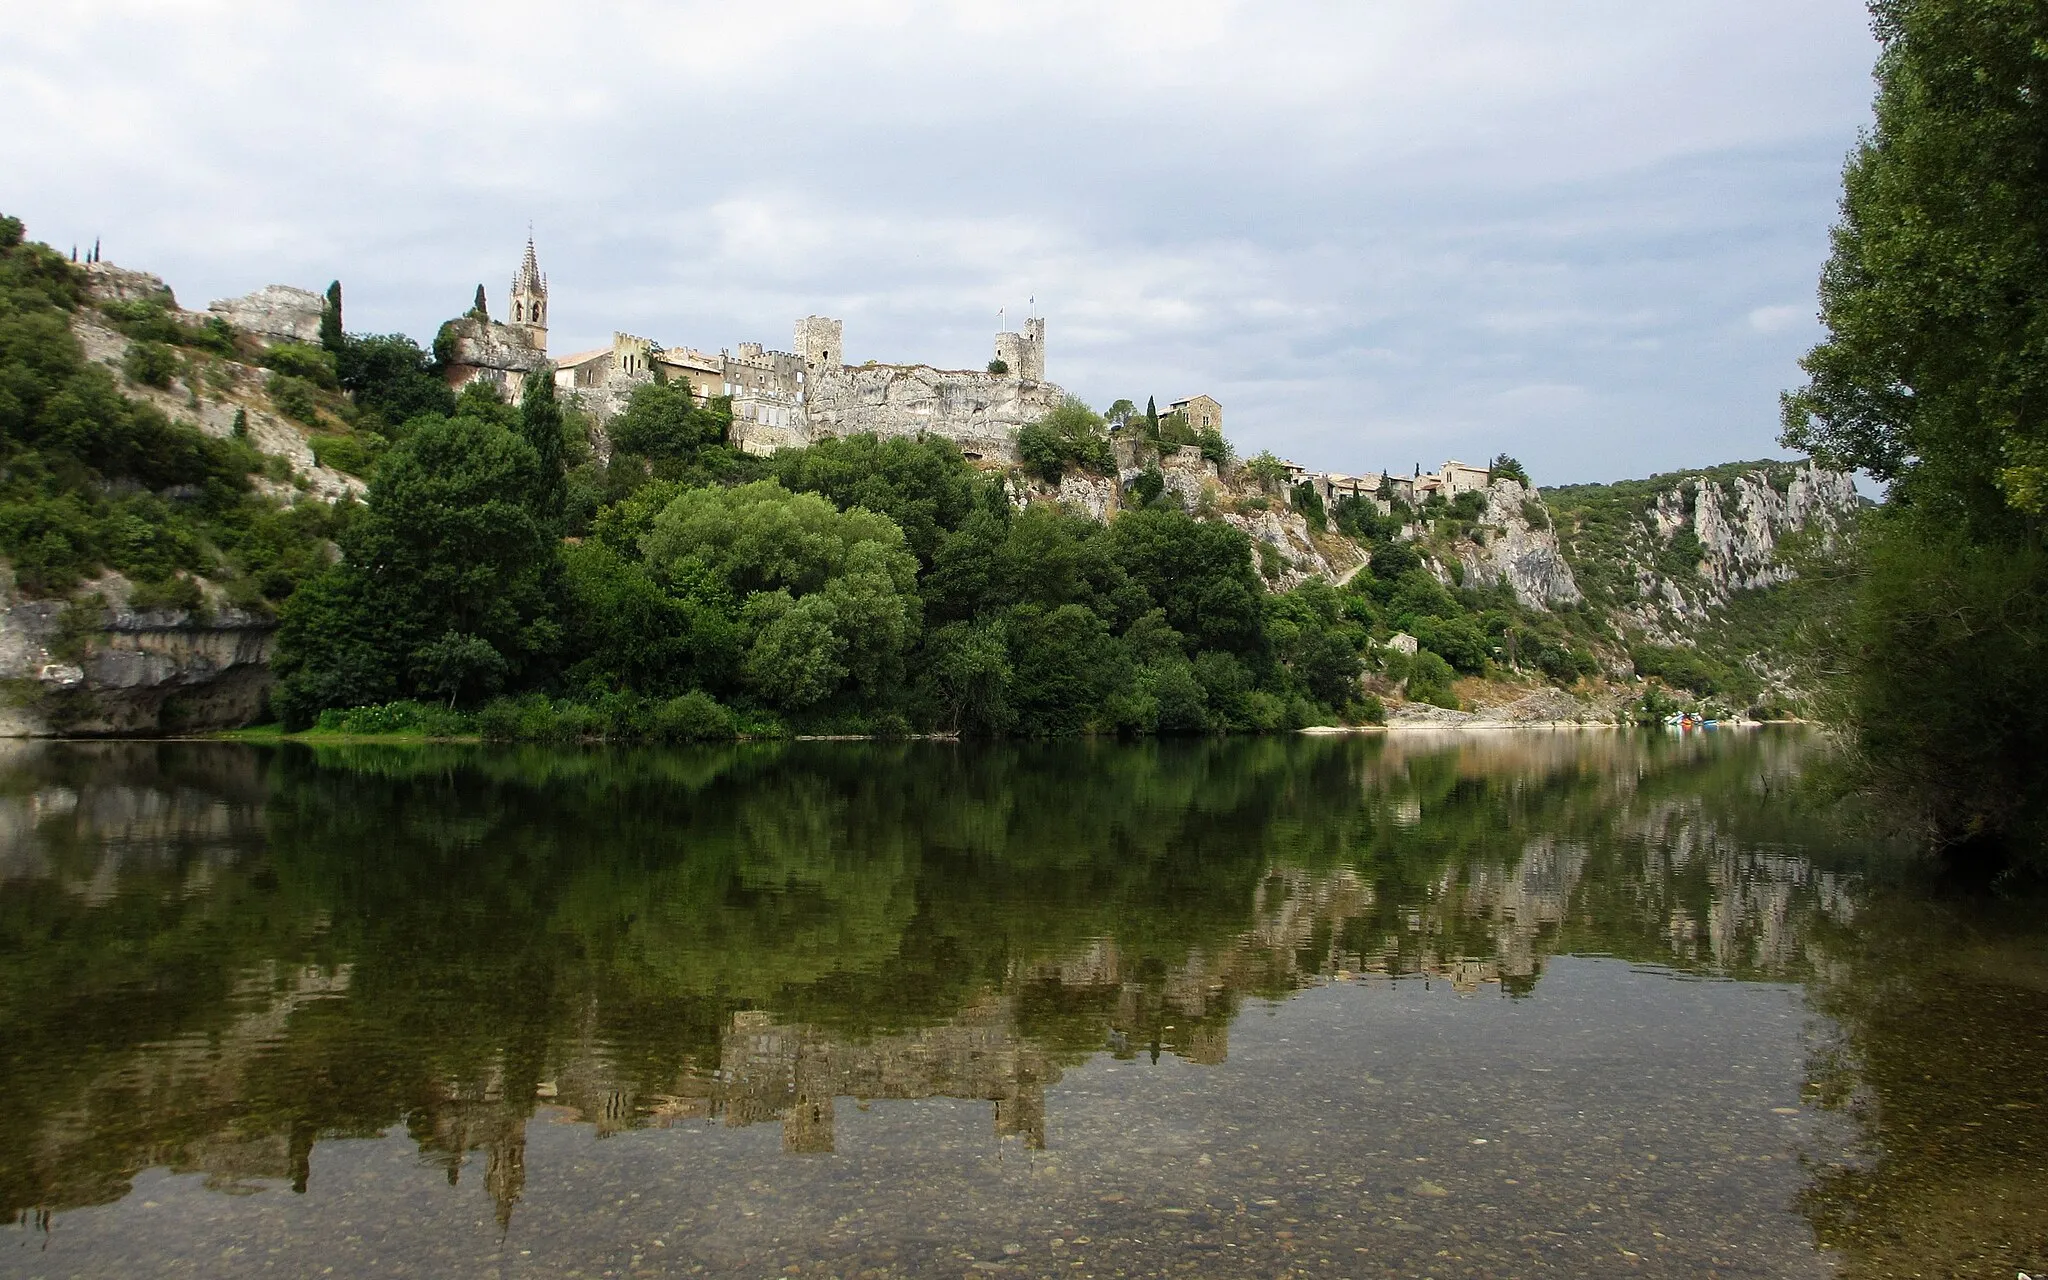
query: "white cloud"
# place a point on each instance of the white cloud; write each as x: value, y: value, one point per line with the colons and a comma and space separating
x: 1781, y: 318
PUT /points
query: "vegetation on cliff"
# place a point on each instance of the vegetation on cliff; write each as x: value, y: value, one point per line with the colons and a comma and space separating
x: 1932, y: 378
x: 92, y: 480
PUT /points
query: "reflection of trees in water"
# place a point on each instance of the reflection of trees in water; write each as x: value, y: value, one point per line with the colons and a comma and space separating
x: 1940, y: 1009
x: 444, y: 936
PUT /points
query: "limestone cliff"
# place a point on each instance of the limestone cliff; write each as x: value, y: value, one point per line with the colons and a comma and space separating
x: 1513, y: 542
x: 1665, y: 557
x: 91, y: 664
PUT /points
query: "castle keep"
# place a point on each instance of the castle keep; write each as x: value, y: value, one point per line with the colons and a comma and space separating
x: 779, y: 398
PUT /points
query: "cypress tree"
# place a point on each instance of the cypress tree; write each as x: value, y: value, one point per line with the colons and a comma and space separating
x: 330, y: 318
x: 540, y: 423
x: 1152, y: 417
x: 478, y: 309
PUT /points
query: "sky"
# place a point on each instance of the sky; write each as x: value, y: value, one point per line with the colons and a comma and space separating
x: 1383, y: 233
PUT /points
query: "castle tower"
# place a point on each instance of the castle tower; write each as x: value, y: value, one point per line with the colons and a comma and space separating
x: 1024, y: 353
x: 818, y: 342
x: 530, y: 300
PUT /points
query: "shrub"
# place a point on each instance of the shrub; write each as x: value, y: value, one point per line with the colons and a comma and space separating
x: 297, y: 360
x: 295, y: 398
x: 1429, y: 680
x: 998, y: 366
x: 1309, y: 503
x: 355, y: 454
x: 1071, y: 435
x: 1534, y: 515
x: 153, y: 364
x: 176, y: 594
x: 404, y: 716
x: 694, y: 717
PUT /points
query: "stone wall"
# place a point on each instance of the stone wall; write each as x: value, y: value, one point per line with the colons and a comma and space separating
x: 981, y: 412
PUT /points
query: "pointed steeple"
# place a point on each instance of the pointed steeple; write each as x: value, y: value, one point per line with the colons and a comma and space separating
x: 530, y: 297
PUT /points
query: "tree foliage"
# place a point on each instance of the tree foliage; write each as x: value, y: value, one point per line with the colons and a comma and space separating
x: 1934, y: 377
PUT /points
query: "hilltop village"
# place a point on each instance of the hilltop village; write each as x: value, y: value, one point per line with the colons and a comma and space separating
x: 961, y: 550
x: 789, y: 399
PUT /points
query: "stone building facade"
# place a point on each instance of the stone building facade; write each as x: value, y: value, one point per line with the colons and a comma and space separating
x: 1202, y: 412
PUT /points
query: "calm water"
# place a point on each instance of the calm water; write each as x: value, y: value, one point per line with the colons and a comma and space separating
x: 1521, y: 1004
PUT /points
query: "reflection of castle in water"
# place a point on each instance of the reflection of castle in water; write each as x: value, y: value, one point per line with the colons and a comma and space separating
x: 1658, y: 879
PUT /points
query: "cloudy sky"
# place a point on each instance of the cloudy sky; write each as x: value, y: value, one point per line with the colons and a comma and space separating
x: 1382, y: 232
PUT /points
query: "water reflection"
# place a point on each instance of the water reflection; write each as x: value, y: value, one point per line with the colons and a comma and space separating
x: 219, y: 958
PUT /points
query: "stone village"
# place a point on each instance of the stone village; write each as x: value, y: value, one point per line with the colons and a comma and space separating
x: 782, y: 399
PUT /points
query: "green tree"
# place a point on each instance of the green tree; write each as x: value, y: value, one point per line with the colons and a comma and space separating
x: 447, y: 560
x: 540, y: 425
x: 330, y: 319
x: 1071, y: 435
x: 1505, y: 467
x: 830, y: 600
x: 1267, y: 471
x: 1934, y: 377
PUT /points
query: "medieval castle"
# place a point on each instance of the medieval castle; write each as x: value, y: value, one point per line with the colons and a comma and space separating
x: 779, y: 398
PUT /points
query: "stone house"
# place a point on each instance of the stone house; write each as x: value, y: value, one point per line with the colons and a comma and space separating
x: 1202, y: 412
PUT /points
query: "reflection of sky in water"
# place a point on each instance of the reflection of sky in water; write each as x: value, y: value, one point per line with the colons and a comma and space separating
x: 1240, y: 1006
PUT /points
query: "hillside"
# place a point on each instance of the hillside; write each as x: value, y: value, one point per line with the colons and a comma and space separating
x: 176, y: 482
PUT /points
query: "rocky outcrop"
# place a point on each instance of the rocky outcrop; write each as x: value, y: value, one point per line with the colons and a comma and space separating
x: 1701, y: 539
x: 276, y: 312
x: 478, y: 349
x: 1512, y: 549
x: 105, y: 282
x: 90, y: 664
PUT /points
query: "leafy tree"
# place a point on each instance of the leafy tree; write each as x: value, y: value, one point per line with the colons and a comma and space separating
x: 1267, y: 471
x: 1120, y: 413
x: 1199, y: 574
x: 998, y: 366
x: 1071, y: 435
x: 926, y: 486
x: 447, y: 560
x: 540, y: 425
x: 388, y: 375
x: 830, y: 596
x: 664, y: 422
x: 1933, y: 377
x: 1304, y: 499
x: 1505, y: 467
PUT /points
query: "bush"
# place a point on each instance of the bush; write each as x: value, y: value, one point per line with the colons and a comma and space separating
x: 1309, y: 503
x: 694, y: 717
x: 153, y: 364
x: 1429, y: 680
x: 398, y: 717
x: 295, y: 398
x: 1071, y: 435
x: 178, y: 594
x: 355, y: 454
x: 295, y: 359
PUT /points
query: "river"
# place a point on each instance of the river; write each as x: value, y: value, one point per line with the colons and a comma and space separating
x: 1516, y: 1003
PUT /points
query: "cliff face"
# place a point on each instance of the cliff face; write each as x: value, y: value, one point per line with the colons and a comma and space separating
x: 93, y: 665
x: 1516, y: 543
x: 1666, y: 556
